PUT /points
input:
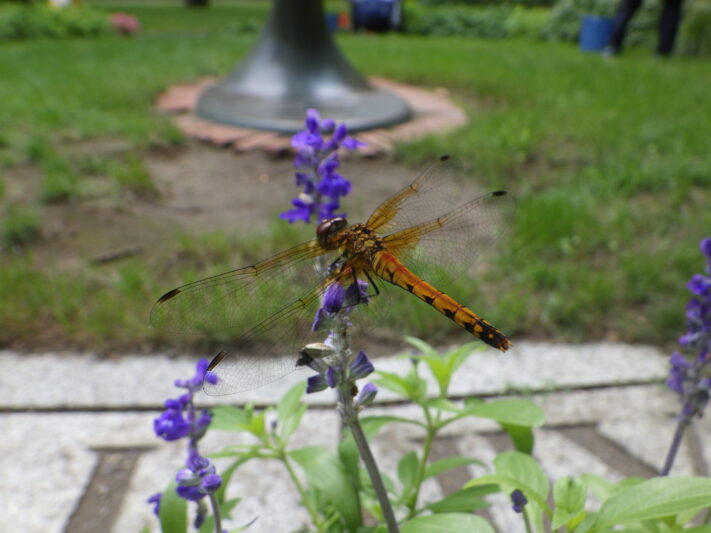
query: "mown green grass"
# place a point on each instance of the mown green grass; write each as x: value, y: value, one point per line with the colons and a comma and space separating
x: 610, y: 162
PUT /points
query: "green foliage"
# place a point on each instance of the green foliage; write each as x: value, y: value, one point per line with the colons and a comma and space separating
x: 610, y: 165
x: 529, y: 23
x: 60, y: 183
x: 494, y: 21
x: 695, y: 38
x: 173, y: 512
x: 36, y: 21
x: 20, y: 225
x: 131, y: 174
x: 489, y: 22
x: 335, y: 488
x: 515, y: 3
x: 566, y: 16
x: 337, y: 493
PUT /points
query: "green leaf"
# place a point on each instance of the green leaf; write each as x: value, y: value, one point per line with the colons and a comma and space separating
x: 447, y: 522
x: 655, y: 498
x: 226, y: 475
x: 522, y: 467
x: 444, y: 404
x: 521, y: 436
x: 407, y: 471
x: 463, y: 501
x: 326, y: 473
x: 603, y: 488
x: 412, y: 387
x: 444, y: 366
x: 350, y: 458
x: 516, y: 470
x: 290, y: 410
x: 173, y: 512
x: 569, y: 495
x: 228, y: 418
x: 436, y: 468
x: 372, y: 424
x: 425, y: 349
x: 507, y: 484
x: 512, y: 412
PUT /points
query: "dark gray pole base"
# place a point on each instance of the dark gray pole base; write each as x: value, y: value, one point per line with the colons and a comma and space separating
x: 296, y: 66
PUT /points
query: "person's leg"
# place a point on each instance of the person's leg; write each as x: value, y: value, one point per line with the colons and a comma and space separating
x: 625, y: 11
x: 668, y: 26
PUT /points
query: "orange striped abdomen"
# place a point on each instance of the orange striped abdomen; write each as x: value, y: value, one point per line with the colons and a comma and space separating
x: 390, y: 269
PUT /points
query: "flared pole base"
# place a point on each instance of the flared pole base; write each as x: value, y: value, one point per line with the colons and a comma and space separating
x: 296, y: 66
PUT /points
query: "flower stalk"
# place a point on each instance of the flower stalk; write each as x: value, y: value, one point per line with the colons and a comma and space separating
x: 348, y: 411
x: 690, y: 376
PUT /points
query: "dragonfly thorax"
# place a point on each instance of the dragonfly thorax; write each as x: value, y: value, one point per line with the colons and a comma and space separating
x: 327, y: 232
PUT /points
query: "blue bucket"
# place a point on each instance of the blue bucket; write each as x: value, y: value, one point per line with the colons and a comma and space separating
x: 375, y: 15
x: 595, y: 32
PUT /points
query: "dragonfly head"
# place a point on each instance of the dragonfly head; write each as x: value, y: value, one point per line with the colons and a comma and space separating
x: 328, y: 231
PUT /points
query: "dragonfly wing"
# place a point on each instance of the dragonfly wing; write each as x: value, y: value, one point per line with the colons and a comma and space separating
x: 267, y: 352
x: 239, y: 299
x: 271, y: 348
x: 451, y: 242
x: 433, y: 192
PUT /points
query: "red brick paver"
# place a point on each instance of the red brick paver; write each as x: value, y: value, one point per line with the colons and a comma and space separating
x: 433, y: 112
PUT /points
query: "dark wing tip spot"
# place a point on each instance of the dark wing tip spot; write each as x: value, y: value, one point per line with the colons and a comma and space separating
x: 499, y: 193
x: 444, y: 157
x: 216, y: 360
x: 168, y: 295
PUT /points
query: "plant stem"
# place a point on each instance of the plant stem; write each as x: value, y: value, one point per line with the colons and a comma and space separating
x: 300, y: 489
x: 369, y: 461
x: 526, y: 521
x: 349, y: 417
x: 676, y: 442
x: 216, y: 513
x: 429, y: 438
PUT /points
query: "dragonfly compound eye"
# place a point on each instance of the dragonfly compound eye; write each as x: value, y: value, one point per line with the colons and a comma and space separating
x: 328, y: 230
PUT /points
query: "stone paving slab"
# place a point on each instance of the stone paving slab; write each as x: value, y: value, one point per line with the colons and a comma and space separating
x: 47, y: 459
x: 55, y: 381
x: 606, y: 414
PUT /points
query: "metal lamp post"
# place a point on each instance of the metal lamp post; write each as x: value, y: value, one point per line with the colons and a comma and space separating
x: 294, y: 66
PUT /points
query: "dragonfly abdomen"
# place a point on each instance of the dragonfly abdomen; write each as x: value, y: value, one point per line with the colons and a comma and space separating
x: 389, y: 268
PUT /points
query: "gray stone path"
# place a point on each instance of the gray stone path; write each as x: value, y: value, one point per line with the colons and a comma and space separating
x: 69, y: 421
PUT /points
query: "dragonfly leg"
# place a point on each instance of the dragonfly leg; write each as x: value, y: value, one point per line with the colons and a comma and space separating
x: 372, y: 283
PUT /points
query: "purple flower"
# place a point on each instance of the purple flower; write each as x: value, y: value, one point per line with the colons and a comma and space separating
x: 194, y: 384
x: 361, y: 367
x: 211, y: 483
x: 190, y: 492
x: 367, y: 395
x: 519, y: 501
x: 705, y: 246
x: 198, y: 479
x: 171, y: 425
x: 316, y: 383
x: 689, y: 376
x: 155, y: 500
x: 333, y: 376
x: 181, y: 419
x: 699, y: 285
x: 333, y: 298
x: 315, y: 161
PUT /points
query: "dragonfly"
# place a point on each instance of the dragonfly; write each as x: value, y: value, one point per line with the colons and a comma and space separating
x: 418, y: 235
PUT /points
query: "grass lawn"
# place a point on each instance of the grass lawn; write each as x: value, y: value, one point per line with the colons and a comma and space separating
x: 610, y: 161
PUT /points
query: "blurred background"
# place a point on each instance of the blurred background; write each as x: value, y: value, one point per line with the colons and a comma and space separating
x: 105, y: 204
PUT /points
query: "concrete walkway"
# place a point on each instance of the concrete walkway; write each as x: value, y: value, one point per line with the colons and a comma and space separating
x: 78, y: 452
